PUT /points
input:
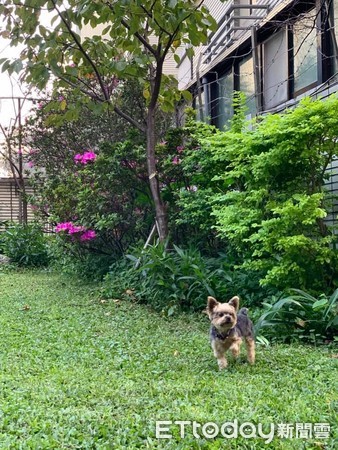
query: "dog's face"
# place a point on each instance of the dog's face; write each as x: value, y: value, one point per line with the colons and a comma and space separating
x: 223, y: 316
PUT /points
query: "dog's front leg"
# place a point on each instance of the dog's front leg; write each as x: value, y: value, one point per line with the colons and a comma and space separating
x: 219, y: 352
x: 235, y: 347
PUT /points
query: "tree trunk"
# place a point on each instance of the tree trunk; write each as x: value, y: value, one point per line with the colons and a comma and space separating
x: 160, y: 208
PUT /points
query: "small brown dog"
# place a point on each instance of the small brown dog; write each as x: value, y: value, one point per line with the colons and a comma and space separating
x: 228, y: 328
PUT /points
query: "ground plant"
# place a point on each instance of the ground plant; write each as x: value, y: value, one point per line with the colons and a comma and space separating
x: 172, y: 280
x: 300, y: 316
x: 25, y: 244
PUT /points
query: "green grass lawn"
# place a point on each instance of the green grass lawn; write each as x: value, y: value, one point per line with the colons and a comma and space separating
x: 78, y: 373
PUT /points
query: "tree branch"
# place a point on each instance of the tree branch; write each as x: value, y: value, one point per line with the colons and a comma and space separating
x: 136, y: 34
x: 140, y: 38
x: 129, y: 119
x: 94, y: 97
x: 82, y: 50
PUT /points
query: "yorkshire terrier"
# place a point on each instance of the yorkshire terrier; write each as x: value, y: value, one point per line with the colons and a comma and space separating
x: 228, y: 328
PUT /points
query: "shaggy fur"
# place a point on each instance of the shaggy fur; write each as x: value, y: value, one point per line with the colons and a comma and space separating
x: 229, y: 327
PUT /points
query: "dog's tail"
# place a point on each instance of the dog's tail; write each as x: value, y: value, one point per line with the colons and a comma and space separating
x: 243, y: 311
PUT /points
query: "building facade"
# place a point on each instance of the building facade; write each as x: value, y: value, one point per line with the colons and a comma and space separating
x: 274, y: 51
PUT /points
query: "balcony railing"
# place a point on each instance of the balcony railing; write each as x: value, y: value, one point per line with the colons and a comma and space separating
x: 237, y: 19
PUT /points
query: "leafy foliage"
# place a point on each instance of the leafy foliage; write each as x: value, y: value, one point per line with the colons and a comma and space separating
x: 300, y: 315
x: 274, y: 203
x: 115, y: 51
x: 75, y: 259
x: 26, y: 245
x: 172, y: 280
x: 186, y: 172
x: 54, y: 141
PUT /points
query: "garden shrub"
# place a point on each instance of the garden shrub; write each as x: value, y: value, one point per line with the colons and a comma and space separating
x: 25, y: 244
x: 176, y: 279
x: 99, y: 203
x: 187, y: 170
x: 75, y: 258
x: 300, y: 316
x: 90, y: 170
x: 272, y: 204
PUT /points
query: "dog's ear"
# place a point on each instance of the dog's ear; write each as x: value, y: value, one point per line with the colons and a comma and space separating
x: 212, y: 302
x: 234, y: 302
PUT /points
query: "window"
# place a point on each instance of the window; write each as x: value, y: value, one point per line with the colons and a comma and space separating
x: 225, y: 93
x: 247, y: 83
x: 305, y: 52
x: 200, y: 106
x: 275, y: 70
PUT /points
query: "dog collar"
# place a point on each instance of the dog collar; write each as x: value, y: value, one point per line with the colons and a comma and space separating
x: 222, y: 336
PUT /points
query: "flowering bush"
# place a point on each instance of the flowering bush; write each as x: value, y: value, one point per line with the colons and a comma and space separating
x: 76, y: 231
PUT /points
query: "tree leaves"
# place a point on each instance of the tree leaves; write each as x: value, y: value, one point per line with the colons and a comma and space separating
x: 126, y: 26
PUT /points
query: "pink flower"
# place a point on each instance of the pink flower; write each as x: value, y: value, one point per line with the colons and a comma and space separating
x: 180, y: 148
x: 63, y: 226
x: 88, y: 156
x: 88, y: 235
x: 30, y: 164
x: 78, y: 158
x: 176, y: 160
x: 75, y: 230
x: 85, y: 157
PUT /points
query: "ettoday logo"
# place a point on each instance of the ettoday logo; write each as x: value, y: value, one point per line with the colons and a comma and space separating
x: 246, y: 430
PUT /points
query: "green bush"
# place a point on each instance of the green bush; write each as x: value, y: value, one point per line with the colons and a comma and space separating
x: 186, y: 170
x: 176, y: 279
x: 271, y: 203
x: 300, y: 316
x: 74, y: 258
x: 26, y: 245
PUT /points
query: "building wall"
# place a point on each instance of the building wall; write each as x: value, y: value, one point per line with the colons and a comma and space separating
x: 10, y: 202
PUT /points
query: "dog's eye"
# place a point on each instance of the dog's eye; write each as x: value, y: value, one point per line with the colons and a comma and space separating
x: 220, y: 314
